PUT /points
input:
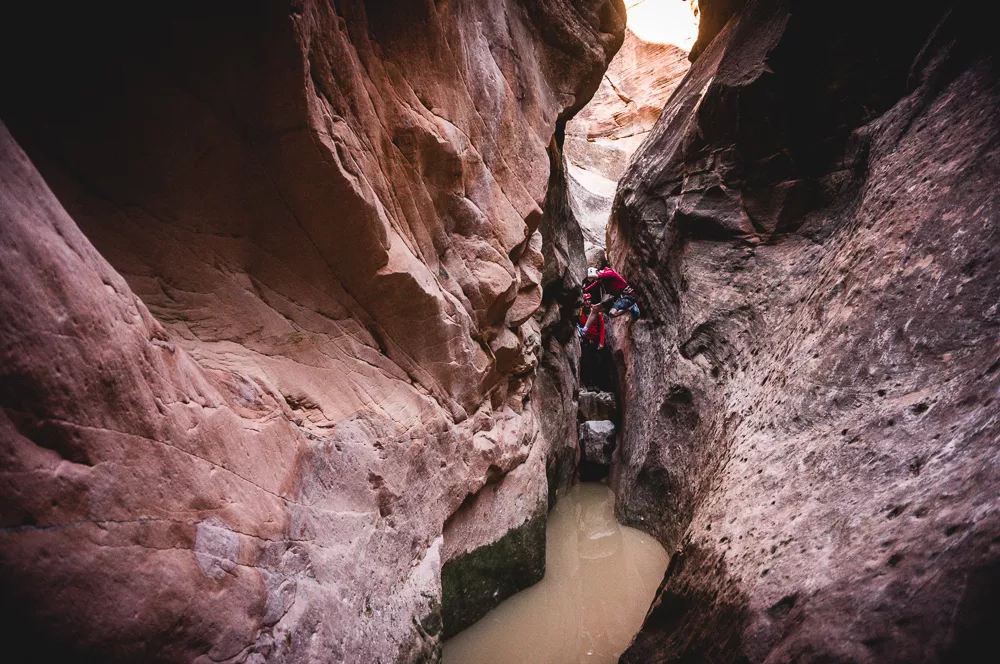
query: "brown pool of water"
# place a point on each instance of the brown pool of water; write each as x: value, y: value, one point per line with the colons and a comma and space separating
x: 600, y: 578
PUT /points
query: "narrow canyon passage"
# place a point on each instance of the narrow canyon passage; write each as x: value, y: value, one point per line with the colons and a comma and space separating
x: 599, y: 580
x: 596, y: 146
x: 290, y: 370
x: 594, y: 594
x: 602, y: 137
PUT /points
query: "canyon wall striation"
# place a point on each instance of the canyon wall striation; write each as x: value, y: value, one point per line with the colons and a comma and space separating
x: 282, y: 301
x: 811, y: 408
x: 602, y: 137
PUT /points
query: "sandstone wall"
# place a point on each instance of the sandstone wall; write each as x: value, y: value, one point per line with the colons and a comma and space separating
x: 811, y: 415
x: 626, y: 106
x: 269, y: 273
x: 601, y: 139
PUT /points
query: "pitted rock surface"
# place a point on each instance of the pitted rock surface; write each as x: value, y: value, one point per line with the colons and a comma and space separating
x: 810, y: 403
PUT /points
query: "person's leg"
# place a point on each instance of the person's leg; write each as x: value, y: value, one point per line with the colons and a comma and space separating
x: 588, y: 368
x: 599, y: 369
x: 626, y: 303
x: 631, y: 306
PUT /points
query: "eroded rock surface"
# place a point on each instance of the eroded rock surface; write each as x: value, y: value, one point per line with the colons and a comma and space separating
x: 598, y: 406
x: 275, y: 288
x: 638, y: 83
x: 810, y: 408
x: 491, y: 548
x: 602, y: 137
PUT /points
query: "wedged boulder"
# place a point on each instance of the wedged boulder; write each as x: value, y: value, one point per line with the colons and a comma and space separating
x: 598, y: 406
x: 597, y: 441
x: 596, y: 257
x: 809, y: 405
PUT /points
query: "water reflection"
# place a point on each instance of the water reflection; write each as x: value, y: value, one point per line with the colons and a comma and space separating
x: 600, y: 579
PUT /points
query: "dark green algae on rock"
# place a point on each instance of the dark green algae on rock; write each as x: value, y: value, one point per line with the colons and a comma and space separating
x: 475, y: 583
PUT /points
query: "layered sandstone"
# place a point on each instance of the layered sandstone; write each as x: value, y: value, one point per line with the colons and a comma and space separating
x: 602, y: 137
x: 276, y: 288
x: 810, y: 408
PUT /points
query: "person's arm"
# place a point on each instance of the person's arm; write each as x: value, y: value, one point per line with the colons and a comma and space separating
x: 600, y: 344
x: 592, y: 284
x: 616, y: 282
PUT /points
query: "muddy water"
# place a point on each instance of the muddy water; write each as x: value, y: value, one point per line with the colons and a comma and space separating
x: 600, y: 578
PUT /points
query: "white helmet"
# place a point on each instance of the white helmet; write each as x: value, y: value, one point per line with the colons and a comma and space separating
x: 591, y: 272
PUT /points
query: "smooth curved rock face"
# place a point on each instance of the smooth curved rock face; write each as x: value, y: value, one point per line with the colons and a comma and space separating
x: 556, y: 386
x: 602, y: 137
x: 810, y: 404
x: 626, y: 106
x: 276, y: 322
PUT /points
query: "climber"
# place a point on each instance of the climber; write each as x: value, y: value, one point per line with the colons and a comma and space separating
x: 595, y: 335
x: 620, y: 296
x: 591, y: 346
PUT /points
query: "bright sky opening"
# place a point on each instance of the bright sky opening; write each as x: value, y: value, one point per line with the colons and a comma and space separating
x: 663, y: 21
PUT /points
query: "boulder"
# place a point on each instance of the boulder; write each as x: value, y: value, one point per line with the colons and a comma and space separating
x: 597, y: 441
x: 598, y: 406
x: 267, y: 318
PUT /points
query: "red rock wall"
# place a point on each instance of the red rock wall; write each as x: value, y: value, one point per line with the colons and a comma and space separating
x: 811, y: 418
x: 601, y: 139
x: 638, y: 83
x: 267, y: 313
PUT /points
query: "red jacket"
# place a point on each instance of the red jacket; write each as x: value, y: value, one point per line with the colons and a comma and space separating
x: 610, y: 281
x: 596, y: 331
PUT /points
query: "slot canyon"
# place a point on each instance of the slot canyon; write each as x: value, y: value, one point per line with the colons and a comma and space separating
x: 290, y: 368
